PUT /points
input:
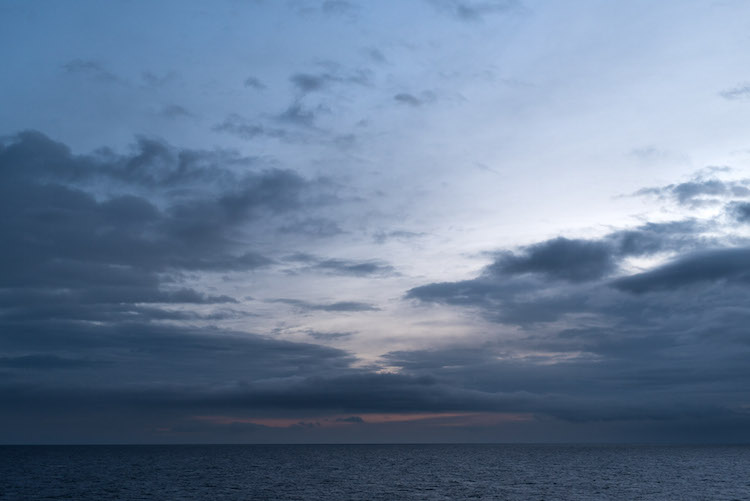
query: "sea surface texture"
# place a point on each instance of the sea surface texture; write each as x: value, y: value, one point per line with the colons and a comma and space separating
x: 374, y: 472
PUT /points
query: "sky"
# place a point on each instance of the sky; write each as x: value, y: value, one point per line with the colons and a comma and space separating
x: 305, y: 221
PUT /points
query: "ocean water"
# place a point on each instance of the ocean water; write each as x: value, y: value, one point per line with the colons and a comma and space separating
x: 375, y: 472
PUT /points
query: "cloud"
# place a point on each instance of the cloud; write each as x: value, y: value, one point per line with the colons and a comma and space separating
x: 353, y: 268
x: 308, y: 82
x: 344, y: 267
x: 475, y: 10
x: 92, y: 69
x: 72, y: 251
x: 254, y: 83
x: 350, y: 419
x: 574, y: 260
x: 314, y: 227
x: 338, y: 7
x: 375, y: 55
x: 561, y: 278
x: 707, y: 266
x: 580, y: 337
x: 701, y: 191
x: 305, y: 82
x: 328, y: 336
x: 341, y: 306
x: 153, y: 80
x: 740, y: 211
x: 409, y: 99
x: 238, y: 126
x: 741, y: 91
x: 332, y: 8
x: 381, y: 237
x: 174, y: 111
x: 297, y: 114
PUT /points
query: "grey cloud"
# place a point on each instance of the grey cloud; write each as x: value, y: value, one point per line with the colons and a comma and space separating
x: 350, y: 419
x: 149, y: 357
x: 574, y: 260
x: 383, y: 236
x: 740, y: 211
x: 175, y: 111
x: 237, y: 126
x: 652, y: 238
x: 153, y: 80
x: 344, y: 267
x: 701, y: 191
x: 308, y: 82
x: 741, y: 91
x: 297, y: 114
x: 473, y: 10
x: 707, y: 266
x: 328, y: 336
x: 72, y: 253
x: 338, y: 7
x: 315, y: 227
x: 354, y: 268
x: 375, y: 54
x: 408, y: 99
x: 668, y: 344
x: 45, y: 362
x: 327, y: 8
x: 254, y: 83
x: 341, y: 306
x: 92, y: 69
x: 557, y: 278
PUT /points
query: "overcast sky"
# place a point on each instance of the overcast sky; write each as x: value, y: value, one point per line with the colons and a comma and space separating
x: 361, y: 221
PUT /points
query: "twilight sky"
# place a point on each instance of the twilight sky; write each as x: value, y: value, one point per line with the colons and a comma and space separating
x: 360, y: 221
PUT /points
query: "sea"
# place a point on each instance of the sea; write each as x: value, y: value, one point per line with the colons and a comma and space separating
x: 375, y: 472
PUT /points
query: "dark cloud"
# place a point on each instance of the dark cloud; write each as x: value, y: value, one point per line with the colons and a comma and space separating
x: 44, y: 362
x: 346, y: 267
x: 153, y: 80
x: 701, y: 191
x: 297, y: 114
x: 309, y: 82
x: 574, y: 260
x: 305, y: 82
x: 528, y: 286
x: 383, y: 236
x: 175, y: 111
x: 350, y: 419
x: 740, y: 211
x: 353, y: 268
x: 237, y: 126
x: 314, y: 227
x: 408, y: 99
x: 74, y: 252
x: 652, y: 238
x: 99, y: 322
x: 328, y: 336
x: 375, y: 55
x: 474, y: 10
x: 338, y: 7
x: 92, y: 69
x: 708, y: 266
x: 332, y: 8
x: 254, y: 83
x: 663, y: 345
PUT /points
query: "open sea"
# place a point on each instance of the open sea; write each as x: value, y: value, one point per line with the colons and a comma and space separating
x: 375, y: 472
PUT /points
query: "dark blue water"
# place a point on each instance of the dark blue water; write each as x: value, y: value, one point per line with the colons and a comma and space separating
x: 374, y: 472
